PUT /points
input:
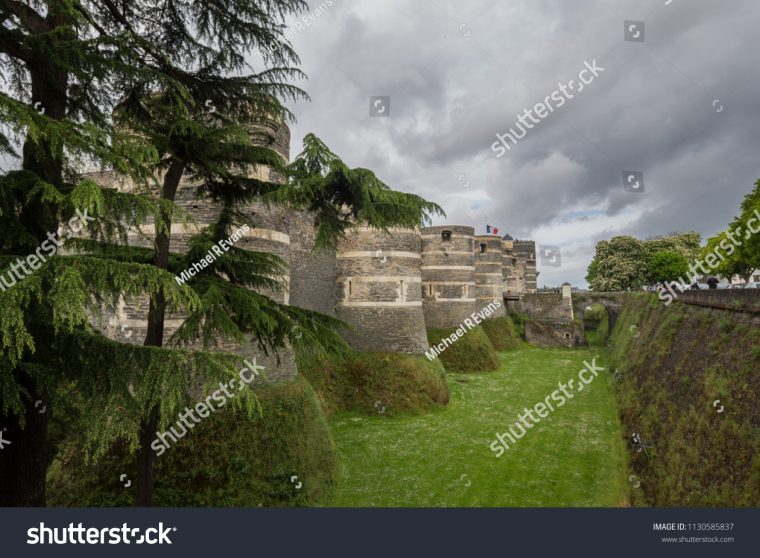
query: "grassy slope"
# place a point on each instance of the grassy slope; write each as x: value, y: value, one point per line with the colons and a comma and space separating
x: 226, y: 460
x: 574, y: 457
x: 677, y: 361
x: 376, y: 383
x: 470, y: 353
x: 502, y: 333
x: 598, y: 336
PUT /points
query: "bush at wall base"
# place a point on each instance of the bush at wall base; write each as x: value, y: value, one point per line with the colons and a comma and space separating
x: 472, y: 352
x: 228, y: 460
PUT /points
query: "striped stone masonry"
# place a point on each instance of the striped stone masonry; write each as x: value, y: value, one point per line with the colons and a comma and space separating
x: 488, y: 271
x: 379, y: 290
x: 448, y: 275
x: 389, y: 286
x: 269, y: 235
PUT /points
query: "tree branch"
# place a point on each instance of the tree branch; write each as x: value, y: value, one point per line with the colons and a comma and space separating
x: 10, y: 44
x: 30, y: 19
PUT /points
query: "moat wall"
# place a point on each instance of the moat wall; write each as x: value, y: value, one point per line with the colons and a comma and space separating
x: 689, y: 387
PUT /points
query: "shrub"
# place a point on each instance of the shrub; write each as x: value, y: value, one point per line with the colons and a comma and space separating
x: 473, y: 352
x: 502, y: 333
x: 228, y: 460
x: 384, y: 383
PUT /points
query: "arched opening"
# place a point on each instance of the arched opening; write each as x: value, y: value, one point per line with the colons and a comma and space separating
x: 446, y: 236
x: 596, y: 324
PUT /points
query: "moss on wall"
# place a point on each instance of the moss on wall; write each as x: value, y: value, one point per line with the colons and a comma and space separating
x: 228, y: 460
x: 473, y: 352
x: 376, y: 383
x: 518, y: 321
x: 680, y: 364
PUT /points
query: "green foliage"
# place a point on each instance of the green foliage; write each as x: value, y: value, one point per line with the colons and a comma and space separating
x: 738, y: 246
x: 230, y: 459
x: 593, y: 271
x: 518, y: 320
x: 667, y: 266
x: 112, y: 386
x: 624, y: 262
x: 375, y: 383
x: 126, y: 87
x: 599, y: 330
x: 472, y: 352
x: 594, y: 313
x: 342, y: 197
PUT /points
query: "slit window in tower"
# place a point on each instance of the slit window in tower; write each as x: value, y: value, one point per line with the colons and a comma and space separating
x: 350, y: 287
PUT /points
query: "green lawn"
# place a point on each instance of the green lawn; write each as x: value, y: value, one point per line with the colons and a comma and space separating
x: 574, y: 457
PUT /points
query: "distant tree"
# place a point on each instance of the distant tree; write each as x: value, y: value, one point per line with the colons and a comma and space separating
x: 593, y: 271
x: 688, y: 244
x: 624, y: 262
x: 667, y: 266
x: 738, y: 247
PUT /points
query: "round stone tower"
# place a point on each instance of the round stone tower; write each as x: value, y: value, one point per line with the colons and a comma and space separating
x: 508, y: 266
x: 269, y: 235
x: 379, y: 290
x: 448, y: 275
x: 489, y: 276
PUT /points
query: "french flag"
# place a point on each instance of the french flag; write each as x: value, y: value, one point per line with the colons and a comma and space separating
x: 492, y: 230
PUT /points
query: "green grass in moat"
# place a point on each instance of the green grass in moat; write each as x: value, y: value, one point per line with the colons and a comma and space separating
x: 574, y: 457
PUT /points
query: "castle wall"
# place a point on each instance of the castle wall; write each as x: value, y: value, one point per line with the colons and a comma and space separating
x: 509, y: 268
x: 526, y: 277
x: 389, y: 286
x: 271, y: 235
x: 379, y: 290
x: 489, y: 277
x: 448, y: 275
x: 313, y: 272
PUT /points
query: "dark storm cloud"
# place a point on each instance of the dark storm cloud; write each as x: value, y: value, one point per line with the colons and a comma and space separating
x: 681, y: 107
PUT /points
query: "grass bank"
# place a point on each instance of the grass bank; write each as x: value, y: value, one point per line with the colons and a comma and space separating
x: 574, y: 457
x: 690, y: 388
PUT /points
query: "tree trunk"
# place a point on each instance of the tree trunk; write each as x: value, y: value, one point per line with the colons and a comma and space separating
x: 146, y: 459
x: 23, y: 461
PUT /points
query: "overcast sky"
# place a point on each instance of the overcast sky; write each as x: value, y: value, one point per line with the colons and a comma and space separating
x: 681, y: 107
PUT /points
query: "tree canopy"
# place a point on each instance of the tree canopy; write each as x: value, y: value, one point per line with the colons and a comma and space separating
x: 624, y: 262
x: 739, y: 244
x: 126, y: 86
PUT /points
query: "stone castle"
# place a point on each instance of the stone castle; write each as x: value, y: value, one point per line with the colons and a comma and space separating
x: 389, y: 286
